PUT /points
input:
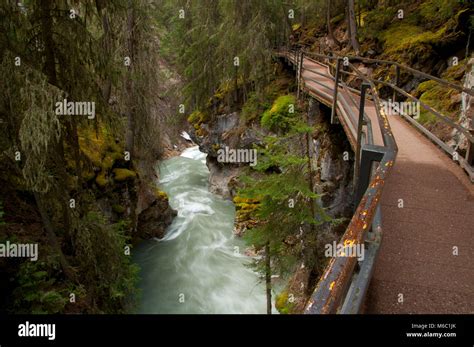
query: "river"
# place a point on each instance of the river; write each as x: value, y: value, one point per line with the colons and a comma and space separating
x: 198, y: 267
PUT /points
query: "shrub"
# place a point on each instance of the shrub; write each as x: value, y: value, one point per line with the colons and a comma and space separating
x: 279, y: 116
x: 283, y: 304
x: 197, y: 117
x: 37, y: 291
x: 107, y: 273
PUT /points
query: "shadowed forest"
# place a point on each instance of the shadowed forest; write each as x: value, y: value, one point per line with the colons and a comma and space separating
x: 99, y: 98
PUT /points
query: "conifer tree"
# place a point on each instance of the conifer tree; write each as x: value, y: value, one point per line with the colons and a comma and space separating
x: 287, y: 210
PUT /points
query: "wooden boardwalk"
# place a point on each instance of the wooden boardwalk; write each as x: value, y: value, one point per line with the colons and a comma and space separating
x: 417, y: 269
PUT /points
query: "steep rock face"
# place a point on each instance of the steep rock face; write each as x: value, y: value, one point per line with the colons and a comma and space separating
x: 332, y: 173
x: 225, y: 130
x: 153, y: 221
x: 154, y: 213
x: 333, y: 180
x: 221, y: 177
x: 332, y: 177
x: 332, y: 164
x: 458, y: 140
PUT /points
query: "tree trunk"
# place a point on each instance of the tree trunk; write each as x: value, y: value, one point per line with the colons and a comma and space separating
x: 329, y: 26
x: 311, y: 111
x: 236, y: 86
x: 130, y: 136
x: 287, y: 25
x: 77, y: 152
x: 52, y: 239
x: 268, y: 278
x: 107, y: 89
x: 49, y: 68
x: 63, y: 196
x: 352, y: 26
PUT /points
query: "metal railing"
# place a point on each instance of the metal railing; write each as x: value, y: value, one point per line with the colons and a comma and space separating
x: 467, y: 163
x: 342, y: 288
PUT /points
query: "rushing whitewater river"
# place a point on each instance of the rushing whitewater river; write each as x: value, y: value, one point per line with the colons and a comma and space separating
x: 198, y: 267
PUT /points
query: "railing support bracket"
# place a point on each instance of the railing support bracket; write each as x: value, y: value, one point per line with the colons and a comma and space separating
x: 370, y: 153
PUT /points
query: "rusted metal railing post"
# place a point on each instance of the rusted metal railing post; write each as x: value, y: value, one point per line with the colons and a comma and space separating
x: 370, y: 154
x: 360, y: 124
x: 336, y: 87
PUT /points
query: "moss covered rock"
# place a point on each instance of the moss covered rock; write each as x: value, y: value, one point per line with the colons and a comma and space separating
x: 283, y: 303
x: 121, y: 175
x: 279, y: 116
x: 101, y: 179
x: 118, y: 209
x: 159, y: 194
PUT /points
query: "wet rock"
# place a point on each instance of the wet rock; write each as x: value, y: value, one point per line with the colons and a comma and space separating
x: 220, y: 177
x: 154, y: 213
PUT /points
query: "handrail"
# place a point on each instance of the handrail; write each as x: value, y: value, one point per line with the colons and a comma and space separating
x: 430, y: 109
x: 404, y: 67
x: 333, y: 284
x: 465, y: 163
x: 415, y: 72
x: 340, y: 288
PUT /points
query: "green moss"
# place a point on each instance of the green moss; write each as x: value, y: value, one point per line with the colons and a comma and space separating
x: 279, y: 115
x: 123, y: 174
x: 196, y: 117
x: 406, y: 36
x: 421, y: 33
x: 107, y: 162
x: 118, y: 209
x: 426, y: 28
x: 376, y: 21
x: 251, y: 108
x: 227, y: 87
x: 240, y: 200
x: 92, y: 144
x: 437, y: 97
x: 296, y: 26
x: 201, y: 132
x: 282, y: 303
x: 160, y: 194
x: 248, y: 207
x: 455, y: 72
x: 101, y: 179
x: 245, y: 207
x: 438, y: 11
x: 338, y: 18
x: 88, y: 175
x: 100, y: 148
